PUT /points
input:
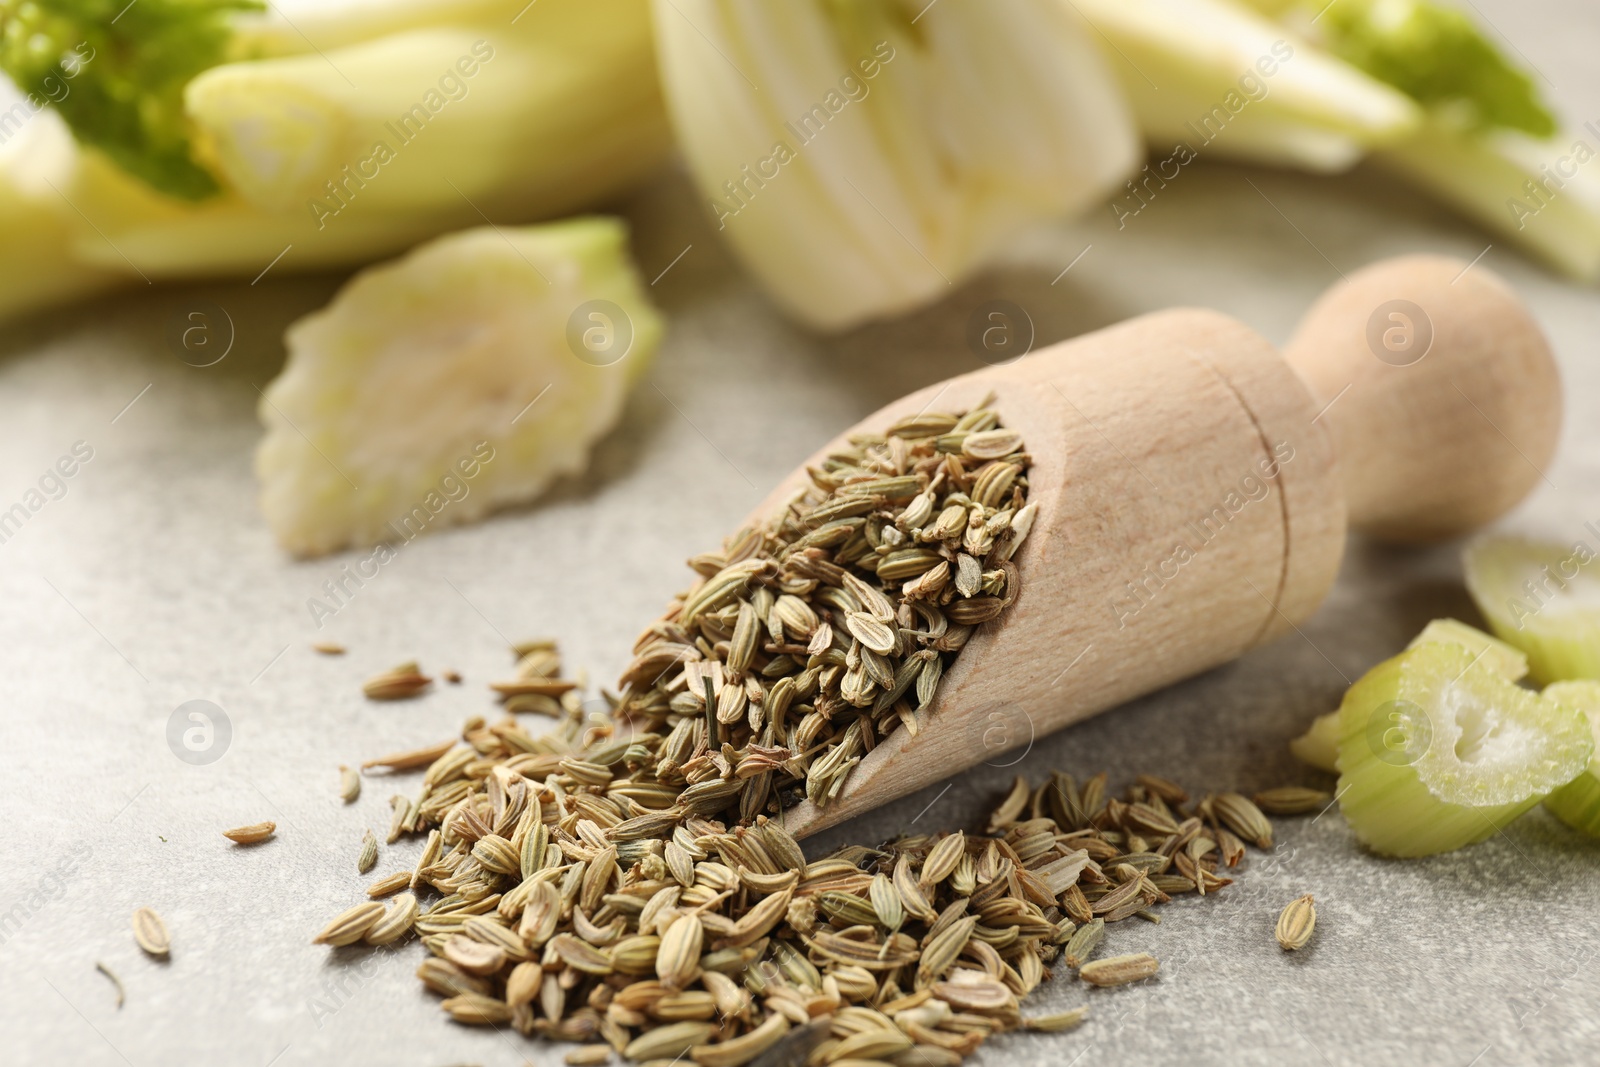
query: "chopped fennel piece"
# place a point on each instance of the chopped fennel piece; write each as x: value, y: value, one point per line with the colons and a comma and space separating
x: 1437, y: 750
x: 121, y: 69
x: 1578, y: 802
x: 1503, y: 659
x: 1542, y: 597
x: 1319, y: 745
x: 520, y: 122
x: 466, y: 376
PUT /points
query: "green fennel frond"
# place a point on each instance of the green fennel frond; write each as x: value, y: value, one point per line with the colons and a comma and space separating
x: 115, y: 71
x: 1438, y: 57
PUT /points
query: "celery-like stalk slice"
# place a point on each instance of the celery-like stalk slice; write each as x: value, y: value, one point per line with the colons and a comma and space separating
x: 1505, y: 660
x: 1437, y: 750
x: 466, y: 376
x: 1542, y: 597
x: 1319, y: 746
x: 1578, y: 802
x: 1436, y: 55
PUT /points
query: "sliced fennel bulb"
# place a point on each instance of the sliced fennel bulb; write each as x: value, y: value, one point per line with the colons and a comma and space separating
x: 1489, y: 146
x: 1542, y: 195
x: 862, y: 159
x: 567, y: 113
x: 1542, y: 597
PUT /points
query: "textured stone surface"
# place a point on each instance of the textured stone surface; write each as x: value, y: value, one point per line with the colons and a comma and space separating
x: 152, y: 582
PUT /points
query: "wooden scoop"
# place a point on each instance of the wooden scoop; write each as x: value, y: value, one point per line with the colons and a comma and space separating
x: 1195, y: 486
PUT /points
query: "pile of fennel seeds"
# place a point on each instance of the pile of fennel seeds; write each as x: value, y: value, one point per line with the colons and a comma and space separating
x: 821, y: 631
x: 569, y: 910
x: 626, y: 879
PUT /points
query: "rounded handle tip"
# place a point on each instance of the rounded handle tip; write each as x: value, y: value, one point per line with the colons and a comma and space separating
x: 1439, y: 390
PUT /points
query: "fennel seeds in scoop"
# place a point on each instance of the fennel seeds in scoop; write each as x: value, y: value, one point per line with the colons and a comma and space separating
x: 820, y: 631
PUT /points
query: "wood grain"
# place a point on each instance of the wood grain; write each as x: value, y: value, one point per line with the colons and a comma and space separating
x: 1190, y: 503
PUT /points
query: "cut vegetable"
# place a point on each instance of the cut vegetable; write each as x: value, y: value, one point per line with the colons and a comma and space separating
x: 287, y: 113
x: 1578, y: 802
x: 37, y: 269
x: 1319, y: 746
x: 529, y: 120
x: 118, y: 71
x: 1542, y: 597
x: 1542, y: 195
x: 1438, y: 57
x: 863, y: 158
x: 1503, y: 659
x: 1217, y: 79
x: 1489, y: 145
x: 1437, y: 751
x: 466, y: 376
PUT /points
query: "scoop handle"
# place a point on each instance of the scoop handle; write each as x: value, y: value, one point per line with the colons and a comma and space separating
x: 1192, y: 499
x: 1439, y: 391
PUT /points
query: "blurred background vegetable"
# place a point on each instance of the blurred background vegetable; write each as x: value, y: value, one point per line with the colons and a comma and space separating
x: 128, y: 67
x: 218, y: 134
x: 861, y: 159
x: 1220, y: 79
x: 887, y: 152
x: 1488, y: 146
x: 258, y: 137
x: 1542, y: 597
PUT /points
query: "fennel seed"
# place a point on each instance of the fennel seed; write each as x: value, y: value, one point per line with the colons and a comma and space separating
x: 151, y: 933
x: 250, y: 835
x: 1296, y: 923
x: 389, y: 883
x: 1119, y: 970
x: 398, y: 683
x: 1292, y: 800
x: 410, y: 760
x: 349, y: 784
x: 1059, y: 1022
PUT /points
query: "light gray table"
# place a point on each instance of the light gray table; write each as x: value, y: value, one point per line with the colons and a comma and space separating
x: 153, y: 582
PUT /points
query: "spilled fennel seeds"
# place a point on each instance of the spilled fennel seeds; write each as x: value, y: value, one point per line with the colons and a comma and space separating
x: 625, y: 878
x: 575, y: 912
